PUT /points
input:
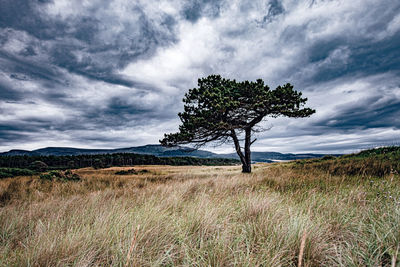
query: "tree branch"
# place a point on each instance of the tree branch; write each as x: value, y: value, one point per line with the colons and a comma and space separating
x: 237, y: 146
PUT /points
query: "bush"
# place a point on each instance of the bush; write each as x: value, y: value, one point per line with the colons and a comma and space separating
x: 126, y: 172
x: 60, y: 176
x: 131, y: 171
x: 39, y: 166
x: 327, y: 157
x: 12, y: 172
x: 98, y: 164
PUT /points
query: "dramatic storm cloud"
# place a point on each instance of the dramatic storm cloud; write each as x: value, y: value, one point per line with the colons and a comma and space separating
x: 107, y: 74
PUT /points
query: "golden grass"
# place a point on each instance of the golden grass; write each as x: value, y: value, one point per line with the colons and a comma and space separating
x: 200, y: 216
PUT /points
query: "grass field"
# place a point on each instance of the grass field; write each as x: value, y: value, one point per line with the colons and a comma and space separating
x: 280, y: 215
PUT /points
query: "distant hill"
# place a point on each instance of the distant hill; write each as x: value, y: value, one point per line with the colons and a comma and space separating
x: 274, y: 156
x: 156, y: 150
x: 159, y: 151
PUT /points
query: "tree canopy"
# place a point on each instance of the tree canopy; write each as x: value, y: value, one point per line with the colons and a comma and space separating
x: 221, y: 110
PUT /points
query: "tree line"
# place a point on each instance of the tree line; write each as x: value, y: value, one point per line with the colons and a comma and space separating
x: 104, y: 160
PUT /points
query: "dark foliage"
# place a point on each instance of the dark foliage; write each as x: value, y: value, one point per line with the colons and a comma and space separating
x: 373, y: 162
x: 390, y: 152
x: 326, y: 157
x: 131, y: 171
x: 106, y: 160
x: 98, y: 164
x: 126, y: 172
x: 63, y: 176
x: 12, y: 172
x: 39, y: 166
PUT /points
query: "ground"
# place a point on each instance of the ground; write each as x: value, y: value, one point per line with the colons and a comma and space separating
x: 279, y: 215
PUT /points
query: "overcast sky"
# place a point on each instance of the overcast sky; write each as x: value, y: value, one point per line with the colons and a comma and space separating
x: 109, y: 74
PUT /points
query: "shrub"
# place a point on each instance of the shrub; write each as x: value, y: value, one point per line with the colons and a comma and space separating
x: 126, y: 172
x: 60, y: 176
x: 4, y: 174
x: 39, y: 166
x: 326, y: 157
x: 12, y: 172
x: 131, y: 171
x: 98, y: 164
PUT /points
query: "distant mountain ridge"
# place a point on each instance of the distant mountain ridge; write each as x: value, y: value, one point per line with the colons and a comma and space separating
x: 159, y: 151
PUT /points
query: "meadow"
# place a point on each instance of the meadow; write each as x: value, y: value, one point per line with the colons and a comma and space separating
x: 303, y: 213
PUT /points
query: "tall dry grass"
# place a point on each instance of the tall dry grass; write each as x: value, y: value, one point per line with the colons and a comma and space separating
x: 201, y: 216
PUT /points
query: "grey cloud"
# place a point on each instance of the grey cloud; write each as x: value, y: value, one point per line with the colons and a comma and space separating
x: 21, y: 68
x: 102, y: 57
x: 26, y: 15
x: 193, y: 10
x: 21, y: 131
x: 364, y: 57
x: 8, y: 137
x: 373, y: 112
x: 275, y: 8
x: 8, y: 94
x: 122, y: 112
x: 77, y: 45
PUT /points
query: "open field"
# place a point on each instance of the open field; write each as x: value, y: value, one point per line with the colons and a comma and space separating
x: 202, y: 216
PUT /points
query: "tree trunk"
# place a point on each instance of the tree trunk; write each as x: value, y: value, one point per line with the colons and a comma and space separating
x: 247, y: 153
x: 246, y: 168
x: 239, y: 151
x: 246, y: 158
